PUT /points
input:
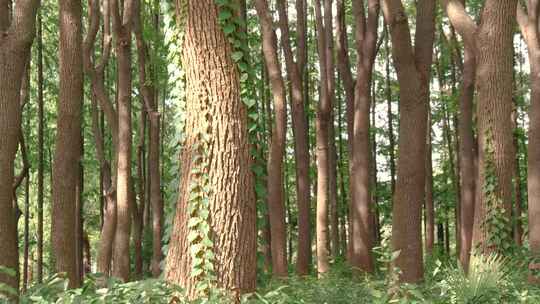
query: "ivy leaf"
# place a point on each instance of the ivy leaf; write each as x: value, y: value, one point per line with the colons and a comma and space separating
x: 237, y: 56
x: 192, y: 236
x: 249, y: 102
x: 224, y: 14
x: 229, y: 28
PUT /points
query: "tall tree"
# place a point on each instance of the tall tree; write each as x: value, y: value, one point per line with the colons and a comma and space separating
x: 68, y: 141
x: 276, y: 206
x: 528, y: 23
x: 413, y: 66
x: 122, y: 20
x: 361, y: 216
x: 300, y: 129
x: 96, y: 73
x: 14, y: 49
x: 216, y: 144
x: 467, y: 28
x: 41, y: 124
x: 324, y: 109
x: 492, y: 41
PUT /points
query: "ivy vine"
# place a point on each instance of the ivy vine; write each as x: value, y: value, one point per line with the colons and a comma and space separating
x: 232, y: 25
x: 496, y: 224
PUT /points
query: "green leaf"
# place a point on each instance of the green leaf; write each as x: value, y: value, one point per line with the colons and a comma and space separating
x: 224, y: 14
x: 237, y: 56
x: 249, y: 102
x: 229, y: 28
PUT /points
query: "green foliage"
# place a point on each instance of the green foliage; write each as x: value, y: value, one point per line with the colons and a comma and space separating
x: 54, y: 290
x: 236, y: 31
x: 486, y: 282
x: 496, y: 224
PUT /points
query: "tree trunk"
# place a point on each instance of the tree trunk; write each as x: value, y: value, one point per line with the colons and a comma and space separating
x: 429, y: 206
x: 276, y: 206
x: 122, y: 35
x: 390, y: 117
x: 41, y: 124
x: 68, y: 142
x: 300, y: 132
x: 361, y: 217
x: 322, y: 136
x: 332, y: 165
x: 413, y: 71
x: 494, y: 81
x: 215, y: 107
x: 150, y: 103
x: 467, y: 154
x: 14, y: 50
x: 528, y: 23
x: 518, y: 225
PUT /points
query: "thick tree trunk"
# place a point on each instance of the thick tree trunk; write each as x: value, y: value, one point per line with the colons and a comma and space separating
x: 276, y: 206
x: 494, y: 82
x: 14, y: 50
x: 68, y: 142
x: 413, y: 71
x: 213, y: 87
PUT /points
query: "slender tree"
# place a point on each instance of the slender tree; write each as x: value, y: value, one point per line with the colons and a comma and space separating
x: 324, y: 110
x: 300, y: 130
x: 528, y: 23
x: 41, y: 124
x: 122, y: 20
x: 276, y: 206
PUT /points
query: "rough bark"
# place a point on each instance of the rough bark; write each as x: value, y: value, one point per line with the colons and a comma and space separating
x: 14, y: 49
x: 276, y: 207
x: 413, y: 71
x: 68, y: 142
x: 494, y: 83
x: 213, y: 86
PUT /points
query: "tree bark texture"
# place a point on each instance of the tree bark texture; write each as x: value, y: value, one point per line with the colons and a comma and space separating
x: 213, y: 85
x: 68, y: 142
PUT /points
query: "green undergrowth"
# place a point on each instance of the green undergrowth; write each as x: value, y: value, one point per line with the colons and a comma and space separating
x: 492, y: 279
